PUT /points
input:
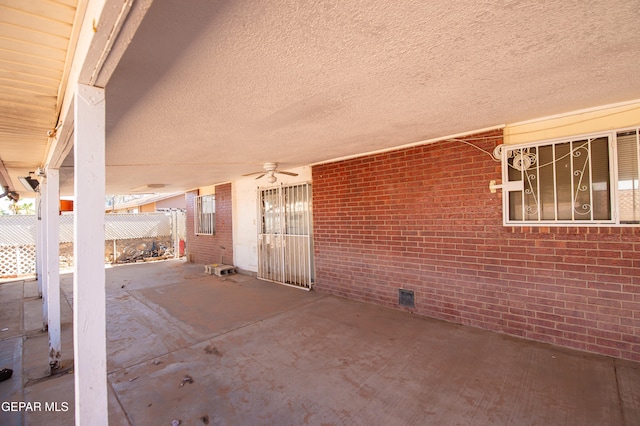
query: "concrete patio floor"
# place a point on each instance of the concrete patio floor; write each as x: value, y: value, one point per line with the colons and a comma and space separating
x: 264, y: 354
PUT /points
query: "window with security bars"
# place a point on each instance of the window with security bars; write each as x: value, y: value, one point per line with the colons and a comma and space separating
x: 205, y: 215
x: 584, y: 180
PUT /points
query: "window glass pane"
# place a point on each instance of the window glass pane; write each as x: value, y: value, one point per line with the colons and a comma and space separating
x: 628, y: 177
x: 601, y: 189
x: 514, y: 172
x: 522, y: 167
x: 515, y: 197
x: 208, y: 205
x: 515, y: 205
x: 198, y: 216
x: 270, y: 212
x: 526, y: 161
x: 581, y: 180
x: 294, y: 210
x: 563, y: 181
x: 547, y: 182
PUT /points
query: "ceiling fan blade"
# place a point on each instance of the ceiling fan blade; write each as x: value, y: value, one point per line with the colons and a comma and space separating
x: 254, y: 173
x: 260, y: 175
x: 287, y: 173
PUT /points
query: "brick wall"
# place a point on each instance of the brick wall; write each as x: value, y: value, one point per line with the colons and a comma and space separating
x: 423, y: 219
x: 208, y: 248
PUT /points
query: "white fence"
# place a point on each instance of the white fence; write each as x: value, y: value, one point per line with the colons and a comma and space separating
x: 18, y: 235
x: 17, y: 260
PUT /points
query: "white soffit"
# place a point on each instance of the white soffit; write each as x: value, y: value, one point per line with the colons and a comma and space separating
x: 35, y: 36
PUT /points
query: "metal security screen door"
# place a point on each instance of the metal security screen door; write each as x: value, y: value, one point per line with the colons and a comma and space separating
x: 285, y: 250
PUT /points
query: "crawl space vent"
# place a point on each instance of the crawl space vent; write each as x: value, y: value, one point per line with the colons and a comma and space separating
x: 405, y: 298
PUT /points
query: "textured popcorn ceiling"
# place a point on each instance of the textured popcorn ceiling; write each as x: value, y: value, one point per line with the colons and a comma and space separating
x: 209, y: 90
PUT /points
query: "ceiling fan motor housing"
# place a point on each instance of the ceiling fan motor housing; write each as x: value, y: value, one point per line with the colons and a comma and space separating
x: 270, y: 167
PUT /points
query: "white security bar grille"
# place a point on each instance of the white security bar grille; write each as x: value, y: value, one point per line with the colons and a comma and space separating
x: 588, y: 180
x: 285, y: 253
x: 205, y: 215
x: 565, y: 181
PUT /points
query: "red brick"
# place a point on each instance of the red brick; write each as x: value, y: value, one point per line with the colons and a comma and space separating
x: 433, y: 223
x: 206, y: 249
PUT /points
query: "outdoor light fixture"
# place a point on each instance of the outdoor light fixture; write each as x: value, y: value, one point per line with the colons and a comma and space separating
x: 12, y: 195
x: 29, y: 183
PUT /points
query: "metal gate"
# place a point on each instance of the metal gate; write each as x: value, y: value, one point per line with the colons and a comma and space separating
x: 285, y: 246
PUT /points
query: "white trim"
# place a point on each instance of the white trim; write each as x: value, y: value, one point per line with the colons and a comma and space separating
x: 577, y: 112
x: 613, y: 178
x: 563, y: 139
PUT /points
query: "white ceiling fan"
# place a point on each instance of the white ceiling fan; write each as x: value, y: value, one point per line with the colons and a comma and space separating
x: 270, y: 169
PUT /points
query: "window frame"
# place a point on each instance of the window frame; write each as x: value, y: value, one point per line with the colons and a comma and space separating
x: 204, y: 223
x: 613, y: 179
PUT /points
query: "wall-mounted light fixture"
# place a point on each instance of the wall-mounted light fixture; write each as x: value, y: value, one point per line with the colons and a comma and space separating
x: 29, y: 183
x: 12, y: 195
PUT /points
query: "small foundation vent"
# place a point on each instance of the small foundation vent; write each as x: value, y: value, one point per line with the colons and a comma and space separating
x: 406, y: 298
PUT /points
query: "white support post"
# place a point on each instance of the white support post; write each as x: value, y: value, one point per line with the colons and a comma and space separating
x: 89, y: 301
x: 43, y: 245
x: 52, y: 223
x: 39, y: 244
x: 174, y: 233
